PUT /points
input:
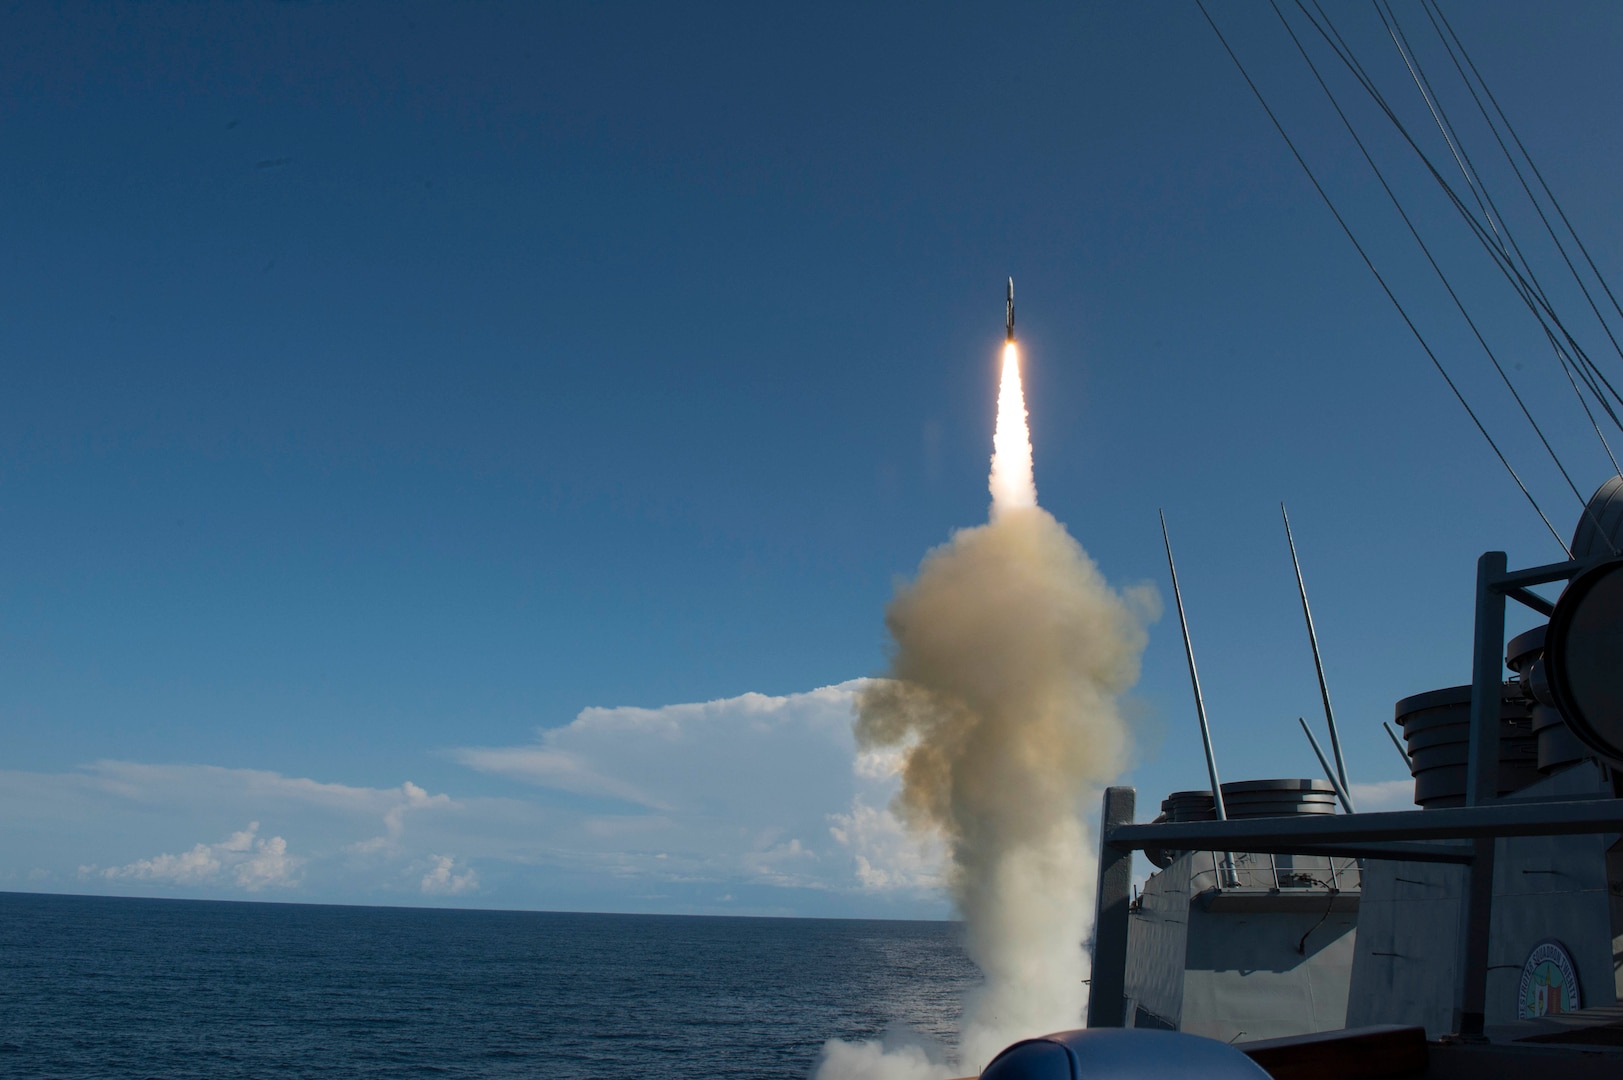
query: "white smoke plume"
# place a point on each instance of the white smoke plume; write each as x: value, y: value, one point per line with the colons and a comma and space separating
x: 1010, y: 655
x: 876, y: 1061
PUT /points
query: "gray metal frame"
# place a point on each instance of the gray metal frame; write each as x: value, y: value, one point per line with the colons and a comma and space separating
x: 1414, y: 835
x: 1107, y: 997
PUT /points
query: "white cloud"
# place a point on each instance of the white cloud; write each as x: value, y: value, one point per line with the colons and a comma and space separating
x: 748, y: 750
x: 108, y: 811
x: 552, y: 768
x: 270, y: 864
x: 756, y: 797
x: 141, y: 786
x: 1384, y: 795
x: 440, y: 881
x: 412, y: 797
x: 759, y: 789
x: 887, y: 855
x: 242, y: 858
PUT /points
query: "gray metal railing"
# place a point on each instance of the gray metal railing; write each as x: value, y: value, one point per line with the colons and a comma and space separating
x: 1252, y: 870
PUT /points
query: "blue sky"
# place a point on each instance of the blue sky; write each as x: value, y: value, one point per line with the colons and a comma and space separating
x: 385, y: 385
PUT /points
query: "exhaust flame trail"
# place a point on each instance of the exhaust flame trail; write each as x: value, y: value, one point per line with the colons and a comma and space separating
x: 1012, y: 483
x: 1010, y: 654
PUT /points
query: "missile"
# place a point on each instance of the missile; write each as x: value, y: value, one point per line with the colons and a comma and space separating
x: 1008, y: 314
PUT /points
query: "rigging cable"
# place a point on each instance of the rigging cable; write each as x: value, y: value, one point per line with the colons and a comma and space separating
x: 1344, y: 52
x: 1424, y: 248
x: 1473, y: 177
x: 1510, y: 159
x: 1497, y: 221
x: 1439, y: 22
x: 1491, y: 210
x: 1390, y: 295
x: 1554, y: 202
x: 1445, y: 127
x: 1565, y: 370
x: 1535, y: 301
x: 1462, y: 158
x: 1586, y: 368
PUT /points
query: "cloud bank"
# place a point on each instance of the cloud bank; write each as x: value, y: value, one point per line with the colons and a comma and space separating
x: 442, y: 881
x: 756, y: 789
x: 756, y: 803
x: 242, y: 858
x: 1384, y: 795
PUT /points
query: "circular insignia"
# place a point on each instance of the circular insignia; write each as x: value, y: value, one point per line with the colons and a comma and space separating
x: 1549, y: 982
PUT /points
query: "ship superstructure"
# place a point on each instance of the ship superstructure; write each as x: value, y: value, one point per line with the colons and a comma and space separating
x: 1489, y: 917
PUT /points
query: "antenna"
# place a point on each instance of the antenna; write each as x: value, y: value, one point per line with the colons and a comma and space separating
x: 1404, y: 754
x: 1341, y: 793
x: 1318, y: 665
x: 1194, y: 679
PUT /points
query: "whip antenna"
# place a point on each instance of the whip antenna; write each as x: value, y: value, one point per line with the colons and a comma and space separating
x: 1194, y: 680
x: 1318, y: 664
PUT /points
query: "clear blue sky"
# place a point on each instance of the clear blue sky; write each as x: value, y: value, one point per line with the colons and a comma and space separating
x: 379, y: 382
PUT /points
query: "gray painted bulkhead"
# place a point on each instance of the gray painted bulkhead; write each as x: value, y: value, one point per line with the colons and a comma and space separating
x: 1224, y: 962
x: 1405, y: 968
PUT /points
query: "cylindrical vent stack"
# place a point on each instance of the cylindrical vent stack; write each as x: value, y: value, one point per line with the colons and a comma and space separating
x: 1278, y: 798
x: 1181, y: 806
x: 1247, y: 799
x: 1437, y: 728
x: 1557, y: 745
x: 1189, y: 806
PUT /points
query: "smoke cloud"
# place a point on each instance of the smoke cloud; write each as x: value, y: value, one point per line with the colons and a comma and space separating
x: 1010, y: 654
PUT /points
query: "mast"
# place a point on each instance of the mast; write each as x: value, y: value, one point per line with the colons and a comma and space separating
x: 1194, y: 679
x: 1318, y: 664
x: 1341, y: 793
x: 1404, y: 754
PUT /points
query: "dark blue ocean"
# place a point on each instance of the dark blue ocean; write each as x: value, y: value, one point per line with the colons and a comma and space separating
x: 102, y: 987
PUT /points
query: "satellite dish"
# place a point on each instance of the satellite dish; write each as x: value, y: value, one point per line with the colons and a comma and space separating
x: 1583, y: 657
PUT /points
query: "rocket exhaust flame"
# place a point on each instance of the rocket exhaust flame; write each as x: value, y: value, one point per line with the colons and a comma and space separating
x: 1012, y: 483
x: 1010, y: 654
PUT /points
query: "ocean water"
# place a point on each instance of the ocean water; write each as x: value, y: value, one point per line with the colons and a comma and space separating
x: 112, y: 987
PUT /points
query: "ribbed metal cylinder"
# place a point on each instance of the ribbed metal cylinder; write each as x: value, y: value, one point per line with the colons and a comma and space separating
x: 1189, y: 806
x: 1278, y: 798
x: 1437, y: 728
x: 1558, y: 747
